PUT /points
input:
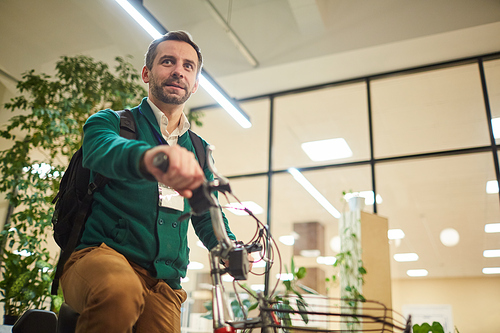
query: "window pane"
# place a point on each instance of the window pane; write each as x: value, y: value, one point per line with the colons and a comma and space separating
x: 431, y: 111
x: 238, y: 150
x: 291, y: 203
x: 423, y: 197
x: 492, y: 73
x: 338, y: 112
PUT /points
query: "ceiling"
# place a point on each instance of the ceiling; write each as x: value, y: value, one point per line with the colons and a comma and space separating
x: 297, y: 43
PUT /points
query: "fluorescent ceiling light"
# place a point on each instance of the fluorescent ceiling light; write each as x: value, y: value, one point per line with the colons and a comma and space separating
x: 492, y: 187
x: 449, y: 237
x: 368, y: 195
x: 495, y: 123
x: 325, y: 150
x: 287, y: 240
x: 417, y: 272
x: 225, y: 103
x: 326, y: 260
x: 310, y: 253
x: 259, y: 264
x: 139, y: 19
x: 491, y: 270
x: 227, y: 278
x: 195, y: 265
x: 404, y: 257
x: 314, y: 192
x: 258, y: 287
x: 285, y: 277
x: 219, y: 97
x: 492, y: 228
x: 238, y: 209
x: 491, y: 253
x: 395, y: 234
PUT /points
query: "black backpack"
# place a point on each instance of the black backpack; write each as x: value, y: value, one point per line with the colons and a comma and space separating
x: 73, y: 202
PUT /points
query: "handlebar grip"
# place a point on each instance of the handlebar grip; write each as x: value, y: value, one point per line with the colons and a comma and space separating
x: 200, y: 202
x: 160, y: 161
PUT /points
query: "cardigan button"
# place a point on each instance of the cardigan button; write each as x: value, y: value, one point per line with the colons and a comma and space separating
x: 168, y: 262
x: 160, y: 222
x: 174, y: 225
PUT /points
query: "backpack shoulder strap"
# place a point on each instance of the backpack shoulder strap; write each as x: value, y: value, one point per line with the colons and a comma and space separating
x: 127, y: 124
x: 127, y: 131
x: 198, y: 148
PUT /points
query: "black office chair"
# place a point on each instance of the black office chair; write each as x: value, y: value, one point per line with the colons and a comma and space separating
x: 36, y: 321
x: 43, y: 321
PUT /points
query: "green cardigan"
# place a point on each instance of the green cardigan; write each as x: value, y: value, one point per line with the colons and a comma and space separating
x: 125, y: 213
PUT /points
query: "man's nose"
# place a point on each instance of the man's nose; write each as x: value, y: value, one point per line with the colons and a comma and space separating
x: 177, y: 72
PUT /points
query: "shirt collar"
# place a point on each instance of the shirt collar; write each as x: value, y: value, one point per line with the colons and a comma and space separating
x: 162, y: 120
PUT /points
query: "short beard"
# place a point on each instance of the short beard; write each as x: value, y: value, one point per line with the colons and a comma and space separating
x: 157, y: 89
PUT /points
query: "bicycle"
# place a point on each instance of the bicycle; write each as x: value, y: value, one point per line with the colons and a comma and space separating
x: 272, y: 314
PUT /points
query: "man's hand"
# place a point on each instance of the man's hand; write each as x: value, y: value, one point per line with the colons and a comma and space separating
x: 184, y: 174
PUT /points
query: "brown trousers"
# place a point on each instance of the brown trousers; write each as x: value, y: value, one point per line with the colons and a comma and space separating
x: 113, y: 295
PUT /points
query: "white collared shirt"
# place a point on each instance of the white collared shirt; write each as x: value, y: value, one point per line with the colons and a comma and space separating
x: 162, y: 120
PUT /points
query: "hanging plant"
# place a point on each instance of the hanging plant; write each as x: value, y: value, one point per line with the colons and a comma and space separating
x: 349, y: 266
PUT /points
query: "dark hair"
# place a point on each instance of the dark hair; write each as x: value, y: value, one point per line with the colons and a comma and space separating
x: 178, y: 35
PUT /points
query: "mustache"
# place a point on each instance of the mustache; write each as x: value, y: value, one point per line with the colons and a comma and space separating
x: 174, y: 82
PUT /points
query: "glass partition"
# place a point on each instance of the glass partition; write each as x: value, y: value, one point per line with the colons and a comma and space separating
x: 338, y: 112
x: 238, y: 150
x: 423, y: 197
x: 492, y: 74
x: 429, y: 111
x: 291, y: 205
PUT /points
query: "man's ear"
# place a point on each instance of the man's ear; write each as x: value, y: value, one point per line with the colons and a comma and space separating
x: 196, y: 84
x: 145, y: 74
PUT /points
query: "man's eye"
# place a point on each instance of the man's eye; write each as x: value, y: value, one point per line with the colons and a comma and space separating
x: 189, y: 66
x: 167, y: 61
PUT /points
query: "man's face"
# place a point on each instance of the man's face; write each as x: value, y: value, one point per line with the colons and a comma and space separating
x: 172, y: 78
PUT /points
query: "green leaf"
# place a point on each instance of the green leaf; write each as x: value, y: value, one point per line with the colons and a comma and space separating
x: 303, y: 310
x: 307, y: 289
x: 424, y: 328
x: 301, y: 273
x: 437, y: 327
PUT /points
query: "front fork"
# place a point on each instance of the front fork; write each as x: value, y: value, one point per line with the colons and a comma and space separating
x: 221, y: 308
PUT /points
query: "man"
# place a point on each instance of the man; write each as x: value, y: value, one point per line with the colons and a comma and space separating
x: 125, y: 274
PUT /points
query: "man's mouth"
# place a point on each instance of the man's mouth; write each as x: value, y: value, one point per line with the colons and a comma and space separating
x: 174, y: 85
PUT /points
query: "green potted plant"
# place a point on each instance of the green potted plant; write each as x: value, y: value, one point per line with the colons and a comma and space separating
x: 46, y: 131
